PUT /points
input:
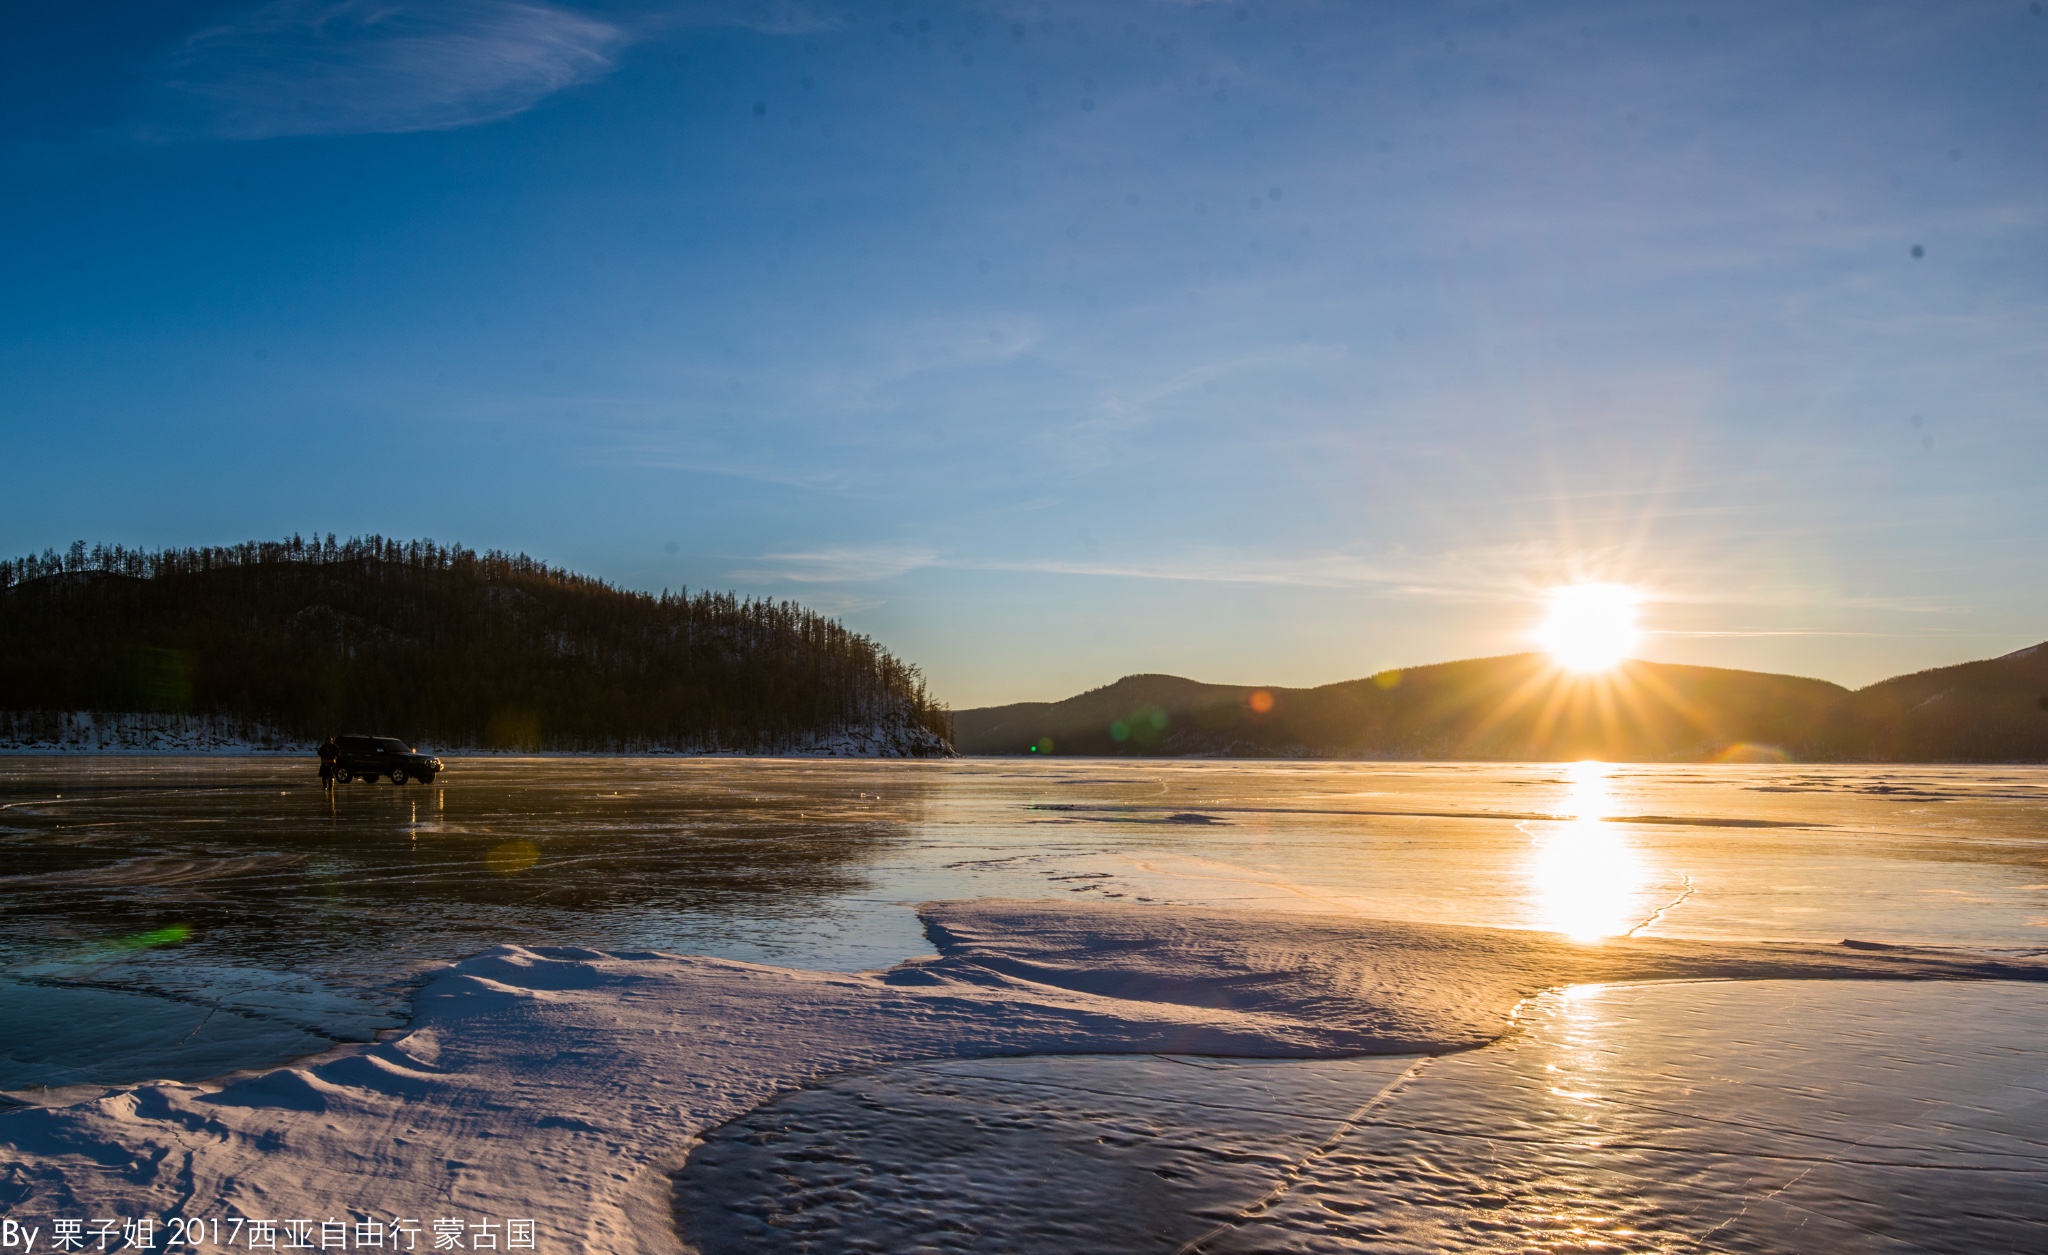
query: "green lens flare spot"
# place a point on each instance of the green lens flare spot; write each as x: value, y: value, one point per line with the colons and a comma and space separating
x: 170, y: 936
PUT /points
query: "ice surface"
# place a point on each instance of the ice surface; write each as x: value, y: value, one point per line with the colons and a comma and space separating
x: 323, y: 910
x: 1774, y: 1116
x: 567, y: 1076
x: 1054, y: 1154
x: 566, y: 1084
x: 1783, y: 1116
x: 65, y: 1035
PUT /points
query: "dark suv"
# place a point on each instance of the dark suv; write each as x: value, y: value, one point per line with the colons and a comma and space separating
x: 367, y: 757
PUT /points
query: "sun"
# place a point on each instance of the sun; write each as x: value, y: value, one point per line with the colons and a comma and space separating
x: 1590, y: 627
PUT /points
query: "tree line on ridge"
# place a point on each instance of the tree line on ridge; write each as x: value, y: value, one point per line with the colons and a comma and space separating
x: 442, y: 645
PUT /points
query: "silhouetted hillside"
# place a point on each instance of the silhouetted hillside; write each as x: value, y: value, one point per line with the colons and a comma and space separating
x: 441, y: 645
x: 1990, y: 711
x: 1522, y: 707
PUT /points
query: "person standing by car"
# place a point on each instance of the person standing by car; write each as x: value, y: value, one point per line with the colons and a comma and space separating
x: 328, y: 750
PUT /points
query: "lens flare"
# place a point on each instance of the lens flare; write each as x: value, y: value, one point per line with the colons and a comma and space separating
x: 1590, y: 627
x: 170, y: 936
x: 512, y: 856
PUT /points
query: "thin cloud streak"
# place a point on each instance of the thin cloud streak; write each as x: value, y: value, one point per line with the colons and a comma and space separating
x: 351, y: 67
x: 1481, y: 576
x: 1739, y: 635
x: 838, y: 565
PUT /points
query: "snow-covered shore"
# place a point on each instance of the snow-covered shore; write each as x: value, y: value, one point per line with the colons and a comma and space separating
x: 99, y: 732
x: 87, y: 732
x: 563, y: 1086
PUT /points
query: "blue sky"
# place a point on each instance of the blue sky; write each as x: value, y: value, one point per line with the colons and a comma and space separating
x: 1268, y: 343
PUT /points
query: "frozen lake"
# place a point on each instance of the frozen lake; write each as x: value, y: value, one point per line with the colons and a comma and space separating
x: 181, y: 918
x: 227, y: 913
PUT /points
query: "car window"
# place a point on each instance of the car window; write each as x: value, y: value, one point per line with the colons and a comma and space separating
x: 393, y: 745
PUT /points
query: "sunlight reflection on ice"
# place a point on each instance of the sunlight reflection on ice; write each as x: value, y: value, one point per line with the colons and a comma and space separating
x: 1585, y: 874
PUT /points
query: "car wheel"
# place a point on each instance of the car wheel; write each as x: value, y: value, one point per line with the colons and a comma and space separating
x: 426, y: 777
x: 344, y: 775
x: 398, y: 777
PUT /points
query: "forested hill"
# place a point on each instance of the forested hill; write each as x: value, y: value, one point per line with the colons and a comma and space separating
x: 1523, y: 708
x: 440, y: 645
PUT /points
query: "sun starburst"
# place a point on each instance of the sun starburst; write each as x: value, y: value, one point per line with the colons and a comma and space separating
x: 1591, y: 627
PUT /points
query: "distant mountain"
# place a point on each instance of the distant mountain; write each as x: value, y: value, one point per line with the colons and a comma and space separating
x: 263, y: 645
x: 1990, y: 711
x: 1522, y: 707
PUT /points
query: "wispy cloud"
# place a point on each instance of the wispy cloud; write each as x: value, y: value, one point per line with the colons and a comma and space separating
x: 837, y: 565
x: 339, y: 67
x: 1308, y: 571
x: 1479, y: 575
x: 1484, y: 575
x: 1474, y: 575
